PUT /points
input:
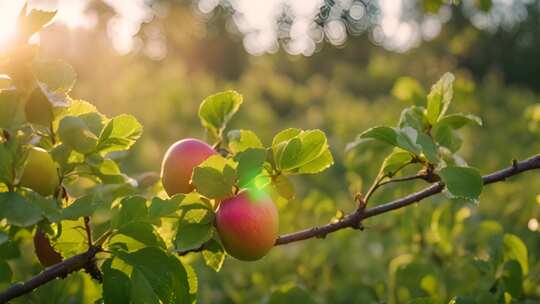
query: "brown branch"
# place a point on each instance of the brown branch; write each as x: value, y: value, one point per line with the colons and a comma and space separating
x: 60, y: 270
x: 352, y: 220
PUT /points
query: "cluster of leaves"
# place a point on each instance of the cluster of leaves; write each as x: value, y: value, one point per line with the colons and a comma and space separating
x: 139, y: 229
x: 245, y: 163
x: 428, y: 137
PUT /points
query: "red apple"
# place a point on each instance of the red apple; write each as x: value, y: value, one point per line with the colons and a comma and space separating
x: 178, y: 164
x: 247, y: 225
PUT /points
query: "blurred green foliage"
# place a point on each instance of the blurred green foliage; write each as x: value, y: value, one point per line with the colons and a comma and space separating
x: 439, y: 249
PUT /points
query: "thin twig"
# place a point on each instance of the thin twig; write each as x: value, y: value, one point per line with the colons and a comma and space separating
x: 403, y: 179
x: 88, y: 230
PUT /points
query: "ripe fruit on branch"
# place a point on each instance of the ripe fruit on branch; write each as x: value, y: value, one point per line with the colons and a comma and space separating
x: 248, y: 225
x: 40, y: 173
x: 45, y: 253
x: 179, y: 162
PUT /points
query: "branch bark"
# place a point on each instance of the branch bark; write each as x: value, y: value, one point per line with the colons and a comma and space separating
x: 352, y: 220
x: 60, y: 270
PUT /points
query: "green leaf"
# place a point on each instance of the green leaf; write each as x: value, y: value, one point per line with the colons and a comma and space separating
x: 512, y: 278
x: 462, y: 182
x: 306, y: 148
x: 163, y: 207
x: 384, y: 134
x: 409, y: 90
x: 447, y: 137
x: 250, y: 164
x: 38, y: 108
x: 515, y: 249
x: 285, y: 135
x: 216, y: 110
x: 413, y: 117
x: 142, y: 232
x: 133, y: 209
x: 119, y: 134
x: 214, y: 178
x: 75, y: 134
x: 56, y: 74
x: 407, y: 139
x: 11, y: 114
x: 291, y: 293
x: 116, y: 285
x: 73, y: 238
x: 142, y: 291
x: 439, y: 98
x: 83, y: 206
x: 319, y: 164
x: 5, y: 272
x: 191, y: 235
x: 428, y: 147
x: 158, y: 274
x: 49, y: 207
x: 18, y: 211
x: 459, y: 120
x: 404, y: 138
x: 214, y: 255
x: 241, y: 140
x: 396, y: 160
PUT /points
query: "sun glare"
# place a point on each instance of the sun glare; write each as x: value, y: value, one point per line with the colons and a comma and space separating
x: 8, y: 17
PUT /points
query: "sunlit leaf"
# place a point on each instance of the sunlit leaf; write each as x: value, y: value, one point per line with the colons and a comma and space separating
x: 119, y: 134
x: 515, y: 249
x: 250, y: 164
x: 75, y: 134
x: 214, y: 255
x: 439, y: 98
x: 216, y: 110
x: 240, y: 140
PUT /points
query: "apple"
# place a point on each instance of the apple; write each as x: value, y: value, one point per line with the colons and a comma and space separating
x: 247, y: 225
x: 178, y: 164
x: 45, y: 253
x: 40, y: 172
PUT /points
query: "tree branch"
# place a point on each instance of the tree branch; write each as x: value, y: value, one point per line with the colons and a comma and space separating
x: 352, y: 220
x: 60, y: 270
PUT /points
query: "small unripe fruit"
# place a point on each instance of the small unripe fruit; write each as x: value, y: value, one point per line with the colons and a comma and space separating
x: 247, y: 225
x: 45, y: 253
x: 179, y: 162
x: 40, y: 172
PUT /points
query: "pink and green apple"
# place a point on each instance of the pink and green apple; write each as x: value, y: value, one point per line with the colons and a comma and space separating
x: 179, y: 162
x: 247, y: 225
